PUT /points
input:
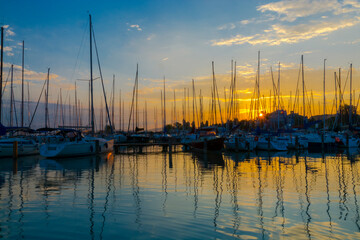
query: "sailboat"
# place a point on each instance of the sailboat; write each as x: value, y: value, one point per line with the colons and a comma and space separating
x: 73, y: 143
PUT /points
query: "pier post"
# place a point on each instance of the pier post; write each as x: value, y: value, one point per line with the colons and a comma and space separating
x: 297, y: 142
x: 347, y: 140
x: 322, y: 142
x: 268, y: 143
x: 164, y: 148
x: 116, y: 149
x: 15, y: 150
x: 205, y: 145
x: 170, y: 147
x: 97, y: 146
x: 236, y: 144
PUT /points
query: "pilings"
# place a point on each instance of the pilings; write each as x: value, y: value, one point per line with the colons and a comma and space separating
x: 15, y: 150
x: 15, y: 156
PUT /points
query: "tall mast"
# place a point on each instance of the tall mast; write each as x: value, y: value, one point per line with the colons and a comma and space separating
x: 61, y: 109
x: 340, y: 96
x: 76, y: 108
x: 47, y: 99
x: 113, y: 102
x: 146, y: 123
x: 91, y: 81
x: 175, y: 118
x: 11, y: 95
x: 22, y: 86
x: 1, y: 68
x: 303, y: 84
x: 233, y: 112
x: 258, y: 85
x: 136, y: 96
x: 336, y: 101
x: 324, y: 99
x: 164, y: 108
x: 89, y: 105
x: 278, y: 96
x: 193, y: 104
x: 350, y: 112
x: 28, y: 101
x: 161, y: 110
x: 119, y: 111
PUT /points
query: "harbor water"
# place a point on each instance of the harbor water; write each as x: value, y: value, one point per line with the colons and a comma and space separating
x: 182, y: 195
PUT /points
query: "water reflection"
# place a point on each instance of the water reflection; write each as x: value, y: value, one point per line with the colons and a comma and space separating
x: 182, y: 194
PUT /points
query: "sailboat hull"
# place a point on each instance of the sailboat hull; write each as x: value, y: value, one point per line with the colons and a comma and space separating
x: 213, y: 144
x: 74, y: 149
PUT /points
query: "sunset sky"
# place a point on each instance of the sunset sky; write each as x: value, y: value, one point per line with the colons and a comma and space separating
x: 178, y: 40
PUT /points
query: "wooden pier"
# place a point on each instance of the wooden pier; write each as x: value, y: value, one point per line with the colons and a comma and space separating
x: 138, y: 147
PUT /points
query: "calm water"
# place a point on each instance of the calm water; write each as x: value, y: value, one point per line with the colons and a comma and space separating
x: 182, y: 195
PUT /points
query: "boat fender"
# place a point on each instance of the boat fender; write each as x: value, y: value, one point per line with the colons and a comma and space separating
x: 256, y: 138
x: 337, y: 139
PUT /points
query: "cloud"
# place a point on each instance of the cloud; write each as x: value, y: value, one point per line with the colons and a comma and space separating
x: 7, y: 49
x: 165, y: 59
x: 150, y: 37
x: 278, y: 34
x: 228, y: 26
x: 9, y: 32
x: 290, y: 10
x: 135, y: 26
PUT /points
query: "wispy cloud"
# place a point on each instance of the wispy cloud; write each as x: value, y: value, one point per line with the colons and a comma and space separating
x: 228, y: 26
x: 150, y: 37
x: 327, y: 16
x: 290, y: 10
x: 278, y: 33
x: 135, y: 26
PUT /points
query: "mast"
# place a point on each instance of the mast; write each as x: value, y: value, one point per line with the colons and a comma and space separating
x: 91, y: 81
x: 1, y: 68
x: 146, y: 123
x: 22, y: 86
x: 77, y: 106
x: 28, y: 101
x: 340, y: 96
x: 350, y: 111
x: 175, y: 118
x: 258, y: 85
x: 113, y: 102
x: 164, y: 109
x: 193, y: 103
x: 136, y: 97
x: 303, y: 85
x: 336, y: 101
x: 119, y: 111
x: 233, y: 102
x: 161, y: 110
x: 47, y: 99
x: 324, y: 99
x: 11, y: 95
x: 61, y: 109
x: 278, y: 96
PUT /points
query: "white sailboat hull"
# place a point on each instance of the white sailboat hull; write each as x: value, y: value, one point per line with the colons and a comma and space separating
x: 240, y: 144
x: 77, y: 148
x: 271, y: 145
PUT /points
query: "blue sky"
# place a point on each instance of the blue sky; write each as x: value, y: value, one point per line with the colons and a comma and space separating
x: 179, y: 39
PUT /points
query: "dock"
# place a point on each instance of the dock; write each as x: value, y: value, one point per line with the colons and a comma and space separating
x: 138, y: 147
